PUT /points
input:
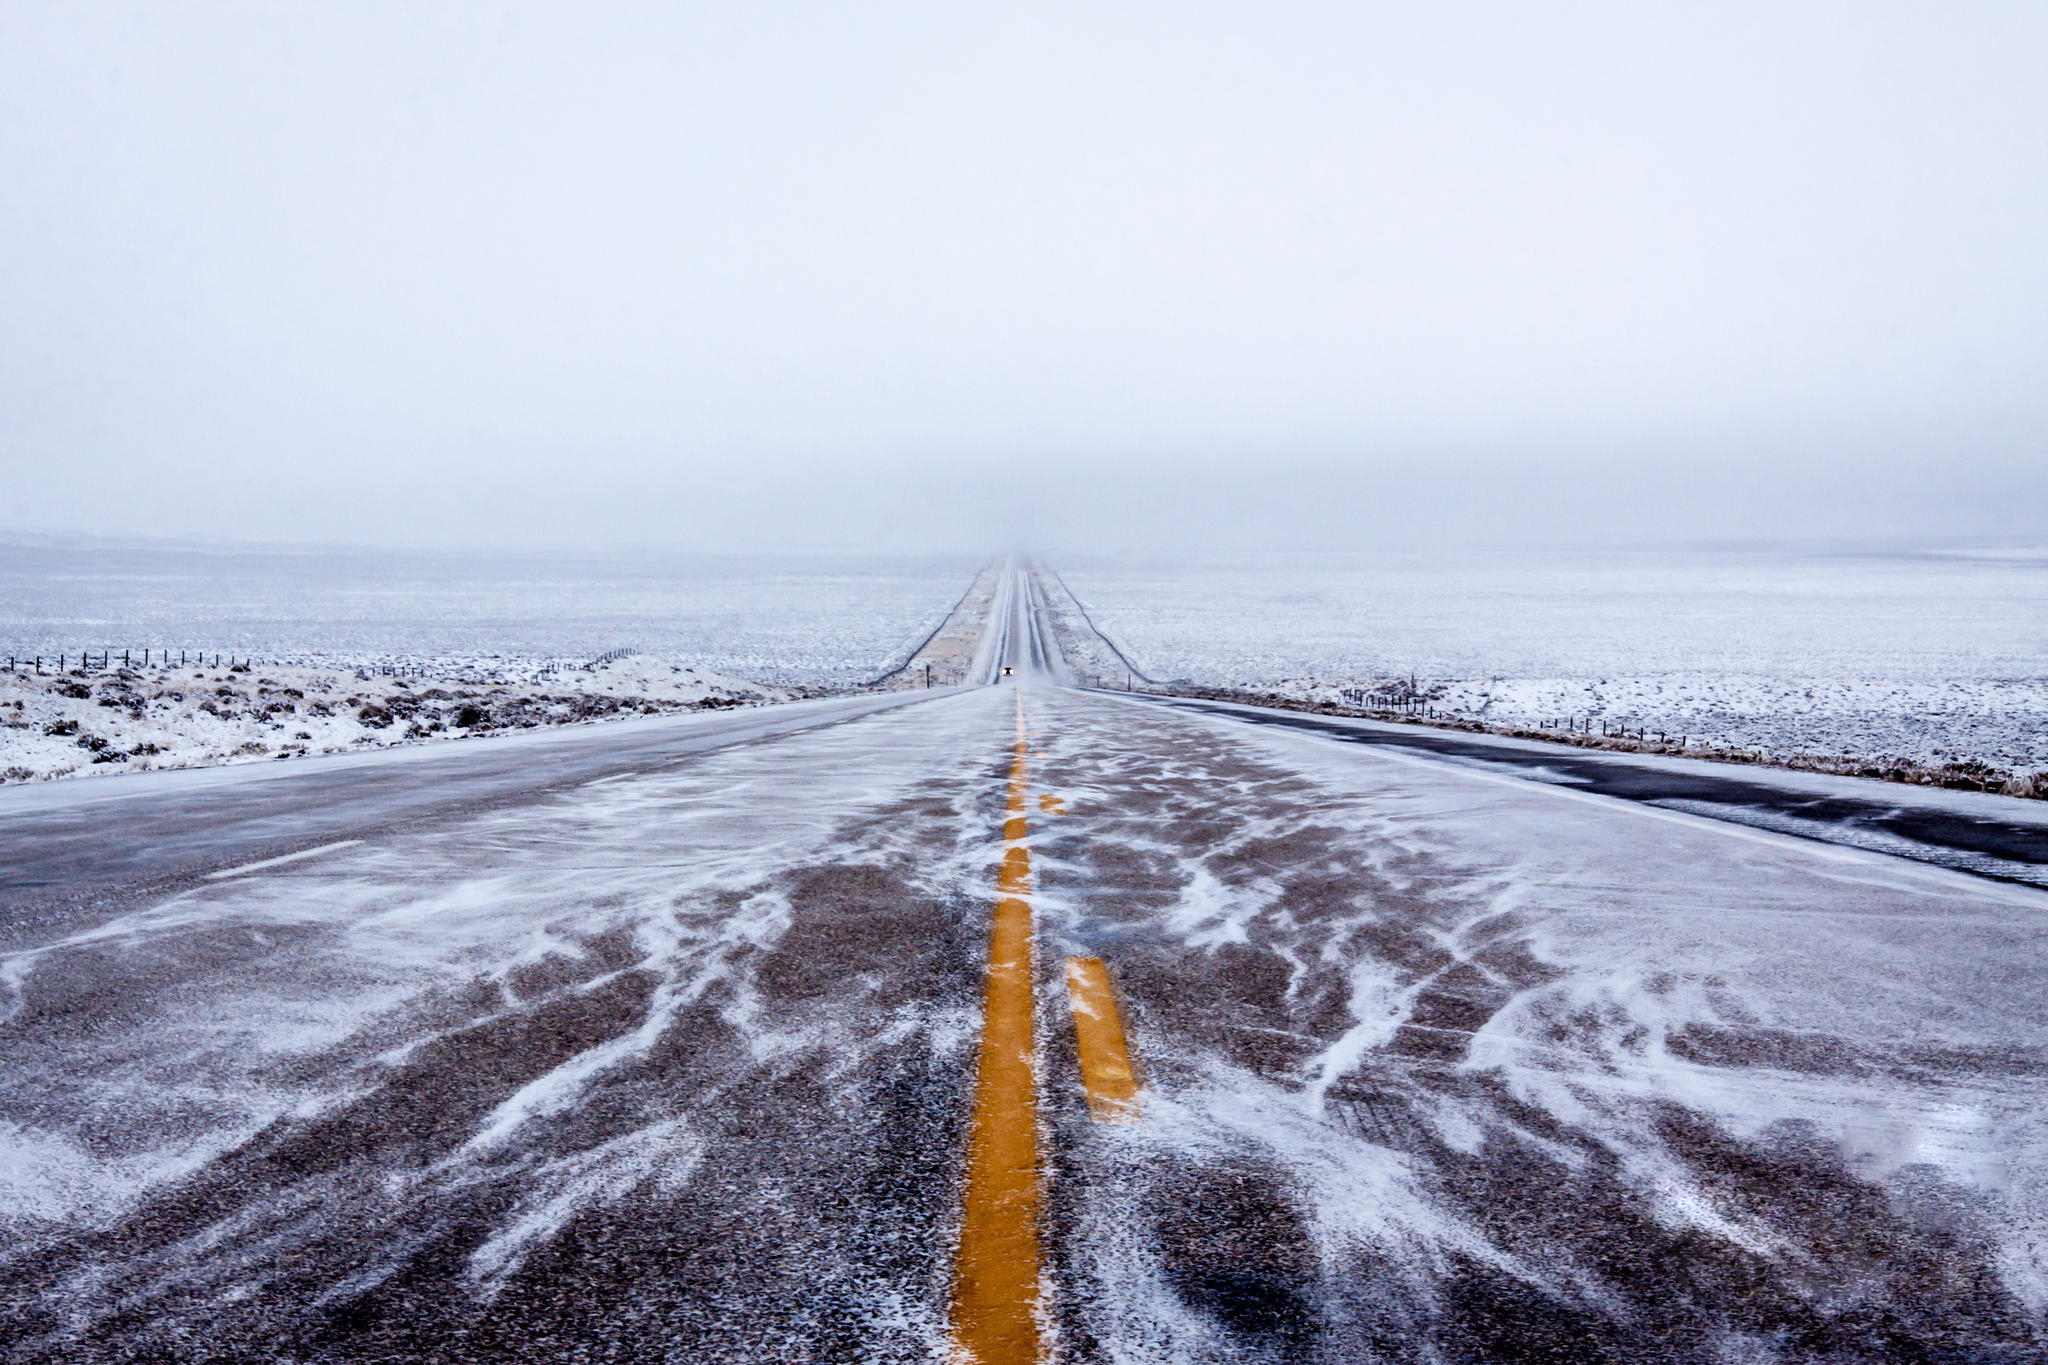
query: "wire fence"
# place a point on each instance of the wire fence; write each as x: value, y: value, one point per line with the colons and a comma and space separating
x: 155, y: 657
x: 1425, y: 708
x: 105, y: 660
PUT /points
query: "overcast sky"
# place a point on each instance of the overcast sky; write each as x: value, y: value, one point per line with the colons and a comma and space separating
x: 934, y: 275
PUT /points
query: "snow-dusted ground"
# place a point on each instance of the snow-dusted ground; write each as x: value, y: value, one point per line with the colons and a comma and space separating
x: 1088, y: 656
x: 956, y: 652
x: 2000, y: 721
x: 830, y: 619
x: 1930, y: 656
x: 359, y: 648
x: 129, y: 719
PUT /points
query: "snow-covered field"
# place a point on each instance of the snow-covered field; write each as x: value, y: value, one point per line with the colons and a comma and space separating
x: 1935, y: 655
x: 823, y: 619
x: 130, y: 719
x: 357, y: 648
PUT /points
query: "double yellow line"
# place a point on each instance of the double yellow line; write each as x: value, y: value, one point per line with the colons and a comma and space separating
x: 998, y: 1271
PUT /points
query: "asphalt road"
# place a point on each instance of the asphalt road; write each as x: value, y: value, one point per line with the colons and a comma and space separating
x: 1971, y: 832
x: 75, y: 846
x: 661, y: 1042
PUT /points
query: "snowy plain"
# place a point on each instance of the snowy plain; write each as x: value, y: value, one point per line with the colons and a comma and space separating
x: 358, y: 649
x: 100, y: 721
x: 779, y: 619
x: 1935, y: 655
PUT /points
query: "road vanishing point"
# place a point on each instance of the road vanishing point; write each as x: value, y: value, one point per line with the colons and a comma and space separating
x: 1015, y: 1021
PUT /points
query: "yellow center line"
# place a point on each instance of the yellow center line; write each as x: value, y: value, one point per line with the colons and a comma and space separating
x: 1099, y: 1038
x: 996, y: 1277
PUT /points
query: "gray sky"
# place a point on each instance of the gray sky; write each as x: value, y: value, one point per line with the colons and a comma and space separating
x: 932, y: 275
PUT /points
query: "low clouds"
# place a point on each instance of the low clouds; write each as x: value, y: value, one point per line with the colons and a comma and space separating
x: 916, y: 275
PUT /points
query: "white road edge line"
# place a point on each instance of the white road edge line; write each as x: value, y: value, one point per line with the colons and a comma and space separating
x: 273, y: 862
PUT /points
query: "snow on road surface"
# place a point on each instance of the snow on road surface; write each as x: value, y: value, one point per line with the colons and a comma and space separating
x: 1438, y: 1064
x: 1448, y: 1058
x: 450, y: 1084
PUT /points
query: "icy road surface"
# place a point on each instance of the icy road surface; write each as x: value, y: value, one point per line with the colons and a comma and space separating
x: 674, y: 1061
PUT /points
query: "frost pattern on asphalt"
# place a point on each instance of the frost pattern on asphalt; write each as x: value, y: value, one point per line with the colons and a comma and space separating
x: 404, y: 1069
x: 1445, y: 1063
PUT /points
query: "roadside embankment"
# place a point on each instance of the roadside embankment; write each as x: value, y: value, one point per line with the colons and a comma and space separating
x: 1094, y: 658
x: 128, y: 719
x: 1962, y: 775
x: 1984, y: 736
x: 947, y: 655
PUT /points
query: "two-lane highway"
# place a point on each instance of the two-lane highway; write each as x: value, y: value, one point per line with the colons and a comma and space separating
x: 1022, y: 1022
